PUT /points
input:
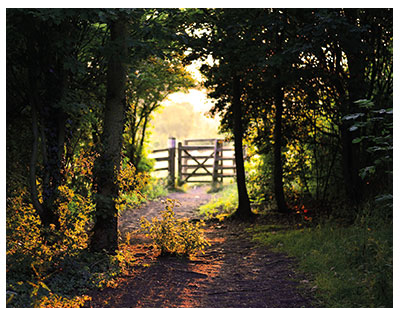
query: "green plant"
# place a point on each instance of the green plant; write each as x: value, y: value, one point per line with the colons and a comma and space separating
x: 57, y: 301
x: 379, y: 147
x: 347, y: 266
x: 223, y: 204
x: 174, y: 236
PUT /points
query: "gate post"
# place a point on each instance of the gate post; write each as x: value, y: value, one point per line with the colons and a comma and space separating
x: 179, y: 163
x: 171, y: 161
x: 217, y: 147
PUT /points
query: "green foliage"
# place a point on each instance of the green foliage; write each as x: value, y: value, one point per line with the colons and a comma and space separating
x: 379, y: 147
x: 259, y: 179
x: 174, y: 236
x: 222, y: 204
x: 150, y: 82
x: 306, y: 53
x: 347, y: 266
x: 321, y: 59
x: 382, y: 143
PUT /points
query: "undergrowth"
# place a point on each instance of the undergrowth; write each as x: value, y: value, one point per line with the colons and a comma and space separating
x: 173, y: 236
x: 222, y: 204
x: 53, y: 267
x: 349, y: 266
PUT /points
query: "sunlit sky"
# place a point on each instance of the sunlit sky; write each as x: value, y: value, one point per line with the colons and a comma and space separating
x: 197, y: 97
x: 205, y: 126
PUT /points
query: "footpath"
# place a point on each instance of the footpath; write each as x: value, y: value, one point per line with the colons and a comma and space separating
x: 233, y: 272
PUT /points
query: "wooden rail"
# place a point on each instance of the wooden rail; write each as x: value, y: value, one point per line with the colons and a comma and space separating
x: 197, y: 159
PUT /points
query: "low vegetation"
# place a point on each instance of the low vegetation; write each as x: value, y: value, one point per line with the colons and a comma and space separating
x: 222, y: 204
x: 348, y: 266
x: 173, y: 236
x: 313, y: 109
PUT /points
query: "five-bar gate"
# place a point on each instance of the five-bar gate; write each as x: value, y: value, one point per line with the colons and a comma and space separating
x: 199, y: 160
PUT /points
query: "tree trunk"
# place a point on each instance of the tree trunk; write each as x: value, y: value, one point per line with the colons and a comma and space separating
x: 244, y: 210
x: 53, y: 140
x: 349, y: 169
x: 47, y: 115
x: 32, y: 168
x: 105, y: 230
x: 278, y: 172
x: 351, y: 152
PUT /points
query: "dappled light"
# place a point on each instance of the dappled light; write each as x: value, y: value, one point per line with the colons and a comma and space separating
x: 199, y: 157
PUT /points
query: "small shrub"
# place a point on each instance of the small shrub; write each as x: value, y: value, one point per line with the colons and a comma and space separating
x: 57, y: 301
x: 174, y: 236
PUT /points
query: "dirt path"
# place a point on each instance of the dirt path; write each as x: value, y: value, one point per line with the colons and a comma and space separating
x: 233, y: 272
x: 190, y: 202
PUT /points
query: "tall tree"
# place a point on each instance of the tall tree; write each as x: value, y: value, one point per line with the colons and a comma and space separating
x: 224, y: 42
x: 40, y: 84
x: 278, y: 171
x: 264, y: 73
x: 349, y: 48
x: 105, y: 231
x: 243, y: 211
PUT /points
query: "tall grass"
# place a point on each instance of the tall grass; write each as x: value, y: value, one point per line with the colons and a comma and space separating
x: 348, y: 266
x: 222, y: 204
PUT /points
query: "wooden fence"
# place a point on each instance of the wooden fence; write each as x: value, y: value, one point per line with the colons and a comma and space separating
x: 198, y: 160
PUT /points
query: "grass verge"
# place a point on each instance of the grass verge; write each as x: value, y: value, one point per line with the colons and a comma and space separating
x: 348, y: 266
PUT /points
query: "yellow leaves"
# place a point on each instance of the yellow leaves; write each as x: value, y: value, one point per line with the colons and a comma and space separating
x: 130, y: 182
x: 23, y: 226
x: 73, y: 211
x: 126, y: 177
x: 27, y: 248
x: 82, y: 165
x: 57, y: 301
x: 172, y: 235
x: 24, y: 236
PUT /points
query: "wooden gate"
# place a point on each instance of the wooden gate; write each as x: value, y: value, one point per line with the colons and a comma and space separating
x: 199, y: 160
x: 202, y: 160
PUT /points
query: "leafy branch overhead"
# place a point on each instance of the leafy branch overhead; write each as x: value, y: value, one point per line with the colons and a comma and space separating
x: 307, y: 94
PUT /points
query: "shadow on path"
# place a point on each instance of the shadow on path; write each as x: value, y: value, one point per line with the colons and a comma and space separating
x: 233, y: 272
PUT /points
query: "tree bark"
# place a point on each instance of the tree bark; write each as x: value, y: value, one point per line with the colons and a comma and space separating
x: 105, y: 231
x: 351, y: 156
x: 32, y: 168
x: 244, y: 210
x: 51, y: 120
x: 278, y: 172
